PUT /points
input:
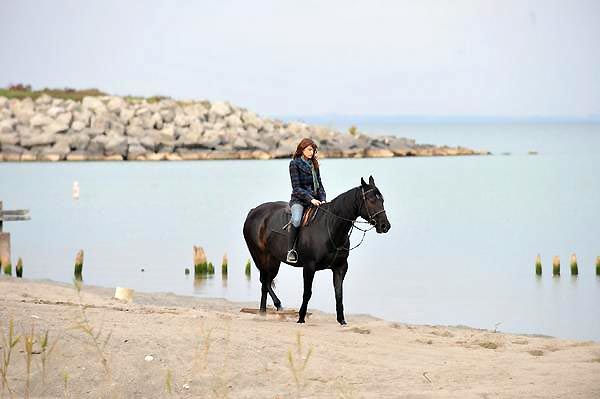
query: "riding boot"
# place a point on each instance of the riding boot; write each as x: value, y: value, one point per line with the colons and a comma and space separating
x: 292, y: 255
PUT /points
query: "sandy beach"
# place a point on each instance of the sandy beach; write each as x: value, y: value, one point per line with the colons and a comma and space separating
x: 162, y: 344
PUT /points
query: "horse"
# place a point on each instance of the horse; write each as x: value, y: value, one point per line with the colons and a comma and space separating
x: 323, y: 244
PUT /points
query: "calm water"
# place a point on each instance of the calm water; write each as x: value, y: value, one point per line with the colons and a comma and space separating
x: 465, y: 231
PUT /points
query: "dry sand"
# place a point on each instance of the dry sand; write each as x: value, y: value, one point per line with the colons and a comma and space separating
x: 207, y: 348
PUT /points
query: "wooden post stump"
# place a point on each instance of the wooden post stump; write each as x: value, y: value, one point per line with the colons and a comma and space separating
x: 556, y: 266
x: 574, y: 268
x: 538, y: 265
x: 5, y: 245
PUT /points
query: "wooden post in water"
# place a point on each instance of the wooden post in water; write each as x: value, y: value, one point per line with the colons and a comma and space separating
x: 9, y: 216
x: 224, y: 266
x: 598, y: 266
x: 574, y: 268
x: 556, y: 266
x: 538, y: 265
x: 79, y: 265
x: 200, y: 265
x: 248, y: 268
x: 19, y: 268
x: 6, y: 266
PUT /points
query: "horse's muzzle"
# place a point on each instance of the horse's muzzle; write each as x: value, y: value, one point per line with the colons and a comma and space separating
x: 383, y: 227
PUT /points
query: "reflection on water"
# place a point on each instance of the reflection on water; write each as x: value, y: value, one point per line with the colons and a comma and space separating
x: 461, y: 251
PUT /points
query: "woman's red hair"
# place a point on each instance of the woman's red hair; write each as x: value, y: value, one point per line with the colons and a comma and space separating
x: 306, y: 143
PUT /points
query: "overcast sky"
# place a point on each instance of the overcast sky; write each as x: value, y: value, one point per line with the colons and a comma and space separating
x: 440, y: 58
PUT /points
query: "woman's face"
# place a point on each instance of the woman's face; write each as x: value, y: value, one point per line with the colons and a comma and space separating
x: 308, y: 152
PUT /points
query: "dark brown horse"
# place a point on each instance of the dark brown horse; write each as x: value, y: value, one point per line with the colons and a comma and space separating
x: 323, y: 244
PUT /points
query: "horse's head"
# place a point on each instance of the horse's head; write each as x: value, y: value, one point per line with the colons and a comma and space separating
x: 371, y: 207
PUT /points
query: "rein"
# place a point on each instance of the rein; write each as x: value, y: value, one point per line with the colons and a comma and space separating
x: 354, y: 222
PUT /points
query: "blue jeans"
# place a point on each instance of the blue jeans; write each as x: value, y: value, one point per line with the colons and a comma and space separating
x: 297, y: 211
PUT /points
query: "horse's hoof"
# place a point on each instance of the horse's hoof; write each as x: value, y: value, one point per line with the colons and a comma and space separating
x: 262, y: 312
x: 301, y: 321
x: 342, y: 322
x: 279, y: 308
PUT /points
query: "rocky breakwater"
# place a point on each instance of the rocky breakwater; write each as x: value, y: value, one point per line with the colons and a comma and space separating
x: 117, y: 128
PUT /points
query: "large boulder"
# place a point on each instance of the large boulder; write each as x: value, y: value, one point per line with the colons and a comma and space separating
x: 251, y: 119
x: 233, y: 121
x: 36, y: 139
x: 53, y: 112
x: 39, y: 120
x: 116, y: 105
x: 148, y: 142
x: 126, y: 115
x: 97, y: 145
x: 157, y: 121
x: 8, y: 125
x: 64, y: 118
x: 210, y: 139
x: 168, y: 115
x: 94, y: 104
x: 136, y: 151
x: 55, y: 127
x: 78, y: 126
x: 44, y: 99
x: 182, y: 120
x: 9, y: 138
x: 220, y: 109
x: 116, y: 145
x: 135, y: 131
x: 79, y: 141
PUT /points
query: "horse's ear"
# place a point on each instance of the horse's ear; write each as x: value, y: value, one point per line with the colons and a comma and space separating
x: 371, y: 180
x: 362, y: 182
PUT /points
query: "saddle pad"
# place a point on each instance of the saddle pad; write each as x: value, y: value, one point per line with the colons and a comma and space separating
x: 309, y: 215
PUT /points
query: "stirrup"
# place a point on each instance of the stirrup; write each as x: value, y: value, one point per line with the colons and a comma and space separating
x: 292, y: 256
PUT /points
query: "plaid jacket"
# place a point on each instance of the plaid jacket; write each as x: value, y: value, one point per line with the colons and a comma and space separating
x: 302, y: 183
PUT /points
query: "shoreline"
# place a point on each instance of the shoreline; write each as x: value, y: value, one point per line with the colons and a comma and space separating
x: 189, y: 346
x: 443, y: 151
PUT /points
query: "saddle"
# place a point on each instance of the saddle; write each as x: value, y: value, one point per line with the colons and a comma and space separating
x: 310, y: 213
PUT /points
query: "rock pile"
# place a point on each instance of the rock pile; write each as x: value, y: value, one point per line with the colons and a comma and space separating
x: 116, y: 128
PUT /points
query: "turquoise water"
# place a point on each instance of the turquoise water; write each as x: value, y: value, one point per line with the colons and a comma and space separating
x: 465, y: 230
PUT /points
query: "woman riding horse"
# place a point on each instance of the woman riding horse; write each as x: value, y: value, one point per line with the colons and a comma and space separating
x: 307, y: 189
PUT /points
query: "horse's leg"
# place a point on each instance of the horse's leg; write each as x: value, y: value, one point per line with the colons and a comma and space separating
x: 274, y: 270
x: 339, y: 272
x: 309, y: 275
x: 263, y: 291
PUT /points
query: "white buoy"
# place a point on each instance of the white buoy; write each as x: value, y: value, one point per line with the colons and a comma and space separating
x: 75, y: 190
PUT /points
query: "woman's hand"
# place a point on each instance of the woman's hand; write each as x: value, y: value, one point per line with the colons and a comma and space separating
x: 315, y: 202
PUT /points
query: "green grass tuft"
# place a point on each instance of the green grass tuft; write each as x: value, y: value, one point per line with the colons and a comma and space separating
x: 65, y: 94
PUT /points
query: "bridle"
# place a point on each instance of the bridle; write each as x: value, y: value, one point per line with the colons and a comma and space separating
x: 371, y: 221
x: 364, y: 195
